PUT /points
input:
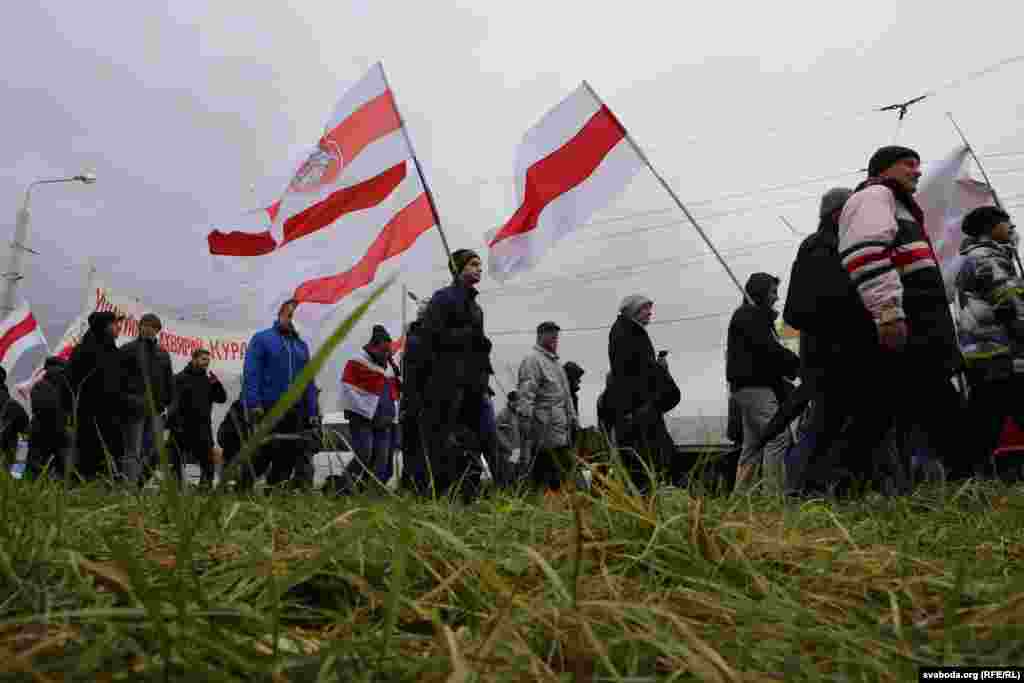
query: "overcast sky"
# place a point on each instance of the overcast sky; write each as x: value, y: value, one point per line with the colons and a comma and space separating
x: 191, y: 112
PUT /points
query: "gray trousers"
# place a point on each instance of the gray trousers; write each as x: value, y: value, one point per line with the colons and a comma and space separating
x: 139, y: 460
x: 758, y: 406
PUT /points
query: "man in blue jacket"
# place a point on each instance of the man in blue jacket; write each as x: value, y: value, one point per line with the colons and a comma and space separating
x: 274, y: 359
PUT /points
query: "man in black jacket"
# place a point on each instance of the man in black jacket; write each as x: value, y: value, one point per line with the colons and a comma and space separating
x: 95, y: 375
x: 196, y: 389
x: 461, y: 369
x: 49, y: 439
x: 757, y: 367
x: 147, y: 392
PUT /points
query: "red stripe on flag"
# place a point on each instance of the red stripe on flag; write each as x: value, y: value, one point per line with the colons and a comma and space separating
x: 237, y: 243
x: 11, y: 337
x: 364, y: 195
x: 397, y: 236
x: 370, y: 122
x: 562, y: 170
x: 359, y: 376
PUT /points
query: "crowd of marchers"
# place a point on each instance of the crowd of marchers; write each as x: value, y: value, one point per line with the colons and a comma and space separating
x: 893, y: 382
x: 896, y: 382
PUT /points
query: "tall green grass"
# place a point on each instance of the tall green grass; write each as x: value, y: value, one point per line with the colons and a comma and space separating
x: 684, y: 585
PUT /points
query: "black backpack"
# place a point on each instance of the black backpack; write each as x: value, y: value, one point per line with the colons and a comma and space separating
x: 822, y: 299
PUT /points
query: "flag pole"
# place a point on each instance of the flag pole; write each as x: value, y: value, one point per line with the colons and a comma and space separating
x: 675, y: 198
x: 984, y: 174
x: 419, y: 169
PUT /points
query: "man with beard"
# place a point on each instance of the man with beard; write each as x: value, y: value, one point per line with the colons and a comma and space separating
x: 905, y: 378
x: 274, y: 359
x: 461, y: 368
x: 95, y: 375
x: 757, y: 367
x: 197, y: 389
x: 49, y: 442
x: 147, y: 391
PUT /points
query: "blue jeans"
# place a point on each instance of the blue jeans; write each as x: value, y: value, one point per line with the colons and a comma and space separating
x: 372, y: 447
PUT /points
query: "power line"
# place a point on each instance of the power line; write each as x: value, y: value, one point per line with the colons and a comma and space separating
x: 598, y: 328
x: 626, y: 270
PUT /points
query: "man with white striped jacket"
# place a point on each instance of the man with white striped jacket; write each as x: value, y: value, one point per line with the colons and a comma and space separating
x: 906, y: 378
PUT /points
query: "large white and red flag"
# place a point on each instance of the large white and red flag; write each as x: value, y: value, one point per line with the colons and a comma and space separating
x: 946, y: 194
x: 572, y: 163
x: 19, y: 332
x: 355, y: 206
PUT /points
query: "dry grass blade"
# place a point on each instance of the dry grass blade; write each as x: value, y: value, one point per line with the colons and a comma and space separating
x: 342, y: 519
x: 460, y: 669
x: 109, y: 576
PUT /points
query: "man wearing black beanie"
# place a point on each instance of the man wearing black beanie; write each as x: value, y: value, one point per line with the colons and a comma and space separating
x: 456, y: 393
x: 886, y: 250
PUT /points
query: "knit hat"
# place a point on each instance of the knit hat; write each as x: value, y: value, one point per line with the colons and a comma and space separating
x: 547, y: 326
x: 886, y: 157
x: 380, y: 336
x: 983, y: 219
x: 833, y: 200
x: 460, y: 257
x: 632, y: 304
x: 54, y: 363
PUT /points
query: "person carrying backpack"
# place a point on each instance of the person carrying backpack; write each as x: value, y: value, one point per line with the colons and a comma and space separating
x: 823, y: 304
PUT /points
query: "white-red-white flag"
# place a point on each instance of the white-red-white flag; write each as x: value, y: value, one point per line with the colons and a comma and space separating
x: 572, y: 163
x: 354, y: 207
x: 946, y: 194
x: 19, y: 332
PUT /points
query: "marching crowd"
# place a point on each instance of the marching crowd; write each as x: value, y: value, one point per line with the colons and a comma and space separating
x: 891, y: 382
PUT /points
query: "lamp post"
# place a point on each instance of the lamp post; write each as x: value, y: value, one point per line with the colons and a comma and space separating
x: 13, y: 274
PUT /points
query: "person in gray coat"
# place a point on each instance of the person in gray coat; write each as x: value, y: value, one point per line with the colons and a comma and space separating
x: 546, y: 412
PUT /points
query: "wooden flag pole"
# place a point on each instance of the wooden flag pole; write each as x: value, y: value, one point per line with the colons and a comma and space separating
x: 675, y: 198
x: 419, y: 169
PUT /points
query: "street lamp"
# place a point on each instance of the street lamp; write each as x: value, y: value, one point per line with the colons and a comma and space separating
x: 18, y: 247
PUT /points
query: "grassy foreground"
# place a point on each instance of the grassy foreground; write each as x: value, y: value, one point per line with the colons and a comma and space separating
x: 98, y: 585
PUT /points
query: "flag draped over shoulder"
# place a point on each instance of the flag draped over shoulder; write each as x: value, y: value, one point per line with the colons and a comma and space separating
x: 946, y: 194
x: 362, y: 384
x: 355, y: 207
x: 19, y: 332
x: 572, y: 163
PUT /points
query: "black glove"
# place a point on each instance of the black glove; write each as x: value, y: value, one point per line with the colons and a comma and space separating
x: 314, y: 422
x: 256, y: 416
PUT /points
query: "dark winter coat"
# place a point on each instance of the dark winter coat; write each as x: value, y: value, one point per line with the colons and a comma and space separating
x: 13, y: 420
x: 755, y: 357
x: 145, y: 366
x: 233, y: 430
x: 637, y: 379
x: 454, y: 328
x: 52, y: 403
x: 195, y: 394
x: 416, y: 364
x: 95, y: 369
